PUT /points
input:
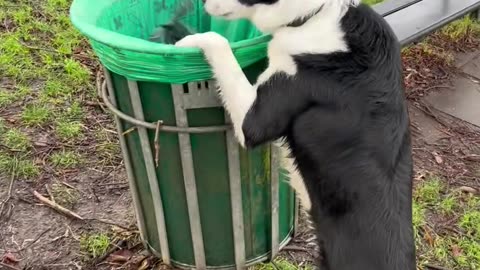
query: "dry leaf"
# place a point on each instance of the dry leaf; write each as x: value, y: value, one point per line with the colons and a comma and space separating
x: 120, y: 256
x: 144, y: 265
x: 9, y: 258
x: 438, y: 158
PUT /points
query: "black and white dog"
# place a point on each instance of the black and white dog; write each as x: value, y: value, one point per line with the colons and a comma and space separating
x: 333, y: 91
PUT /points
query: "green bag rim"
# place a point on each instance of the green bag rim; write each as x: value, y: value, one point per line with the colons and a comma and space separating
x: 85, y: 23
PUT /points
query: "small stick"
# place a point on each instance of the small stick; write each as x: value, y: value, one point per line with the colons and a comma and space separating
x: 9, y: 194
x: 50, y: 193
x: 56, y: 206
x: 435, y: 267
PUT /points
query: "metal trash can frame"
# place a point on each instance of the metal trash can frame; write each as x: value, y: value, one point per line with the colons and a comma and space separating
x: 248, y: 244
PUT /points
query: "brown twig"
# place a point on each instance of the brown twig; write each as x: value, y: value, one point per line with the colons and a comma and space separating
x: 435, y: 267
x: 56, y: 206
x: 50, y: 194
x: 9, y: 194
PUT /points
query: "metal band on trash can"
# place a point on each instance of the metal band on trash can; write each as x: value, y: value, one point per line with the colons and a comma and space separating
x: 127, y: 161
x: 236, y: 197
x: 189, y: 179
x: 151, y: 173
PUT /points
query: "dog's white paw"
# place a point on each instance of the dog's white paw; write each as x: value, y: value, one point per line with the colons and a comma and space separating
x: 209, y: 41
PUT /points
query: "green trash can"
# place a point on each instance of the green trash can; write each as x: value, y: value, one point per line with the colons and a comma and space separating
x: 201, y: 201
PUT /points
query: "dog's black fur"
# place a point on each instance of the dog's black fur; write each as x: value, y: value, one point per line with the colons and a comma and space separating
x: 345, y: 118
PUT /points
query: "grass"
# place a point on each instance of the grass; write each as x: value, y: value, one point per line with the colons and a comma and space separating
x: 66, y: 159
x: 16, y: 140
x: 67, y: 130
x: 95, y: 245
x: 20, y: 167
x: 35, y: 115
x: 457, y: 249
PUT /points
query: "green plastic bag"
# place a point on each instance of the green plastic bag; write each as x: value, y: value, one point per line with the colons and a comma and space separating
x: 119, y: 30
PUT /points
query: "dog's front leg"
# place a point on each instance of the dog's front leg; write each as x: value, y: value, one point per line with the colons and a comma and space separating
x: 236, y: 92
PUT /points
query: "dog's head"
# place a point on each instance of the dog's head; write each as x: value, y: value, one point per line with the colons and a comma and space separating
x: 268, y: 15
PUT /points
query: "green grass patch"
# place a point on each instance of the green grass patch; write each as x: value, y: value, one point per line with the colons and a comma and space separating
x: 95, y: 245
x: 470, y: 223
x: 429, y: 191
x: 66, y: 159
x: 76, y: 73
x: 20, y: 167
x: 67, y: 130
x: 7, y: 97
x: 16, y: 140
x: 36, y: 115
x: 449, y: 205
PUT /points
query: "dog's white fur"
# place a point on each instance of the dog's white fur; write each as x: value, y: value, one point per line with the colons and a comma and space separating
x: 320, y: 35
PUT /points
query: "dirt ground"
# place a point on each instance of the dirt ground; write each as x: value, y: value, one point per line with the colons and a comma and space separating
x: 71, y: 155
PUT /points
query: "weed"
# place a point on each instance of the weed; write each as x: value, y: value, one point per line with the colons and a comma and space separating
x: 35, y: 115
x: 66, y: 159
x: 16, y: 140
x: 69, y: 130
x: 95, y: 245
x: 429, y: 191
x: 65, y: 196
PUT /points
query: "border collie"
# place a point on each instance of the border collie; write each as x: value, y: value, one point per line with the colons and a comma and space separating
x: 333, y: 92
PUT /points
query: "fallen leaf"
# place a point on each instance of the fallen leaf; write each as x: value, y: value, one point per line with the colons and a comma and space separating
x: 9, y: 258
x: 438, y: 158
x: 144, y: 265
x: 120, y: 256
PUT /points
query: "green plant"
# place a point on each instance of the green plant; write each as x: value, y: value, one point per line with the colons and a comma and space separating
x: 95, y: 245
x: 470, y: 222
